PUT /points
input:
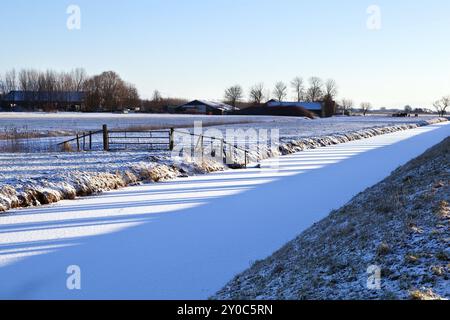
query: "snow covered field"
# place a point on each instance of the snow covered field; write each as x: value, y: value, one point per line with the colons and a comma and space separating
x: 64, y: 123
x: 170, y: 250
x: 28, y: 179
x: 57, y: 124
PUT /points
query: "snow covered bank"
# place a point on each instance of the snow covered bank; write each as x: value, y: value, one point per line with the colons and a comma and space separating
x: 69, y: 184
x: 22, y: 187
x: 185, y: 239
x: 293, y: 146
x: 400, y: 227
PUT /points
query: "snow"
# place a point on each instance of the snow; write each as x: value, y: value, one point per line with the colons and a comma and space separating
x: 70, y: 122
x: 28, y: 179
x: 67, y: 123
x: 400, y: 225
x: 186, y: 238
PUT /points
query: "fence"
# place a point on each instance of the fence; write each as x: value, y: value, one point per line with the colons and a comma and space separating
x: 114, y: 140
x: 208, y: 146
x: 81, y: 141
x: 160, y: 140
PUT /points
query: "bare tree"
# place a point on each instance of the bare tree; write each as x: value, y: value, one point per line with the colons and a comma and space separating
x: 315, y: 90
x: 442, y: 105
x: 10, y: 81
x: 331, y: 89
x: 23, y: 80
x: 2, y: 86
x: 234, y: 94
x: 157, y: 97
x: 280, y: 91
x: 299, y: 88
x: 78, y: 76
x: 257, y: 93
x: 108, y: 90
x: 365, y: 107
x: 130, y: 96
x: 346, y: 104
x: 408, y: 109
x: 93, y: 100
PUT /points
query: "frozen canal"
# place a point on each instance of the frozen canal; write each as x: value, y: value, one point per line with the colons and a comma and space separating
x: 186, y: 238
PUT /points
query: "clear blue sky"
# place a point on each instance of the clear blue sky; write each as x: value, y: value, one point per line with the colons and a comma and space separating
x: 196, y: 48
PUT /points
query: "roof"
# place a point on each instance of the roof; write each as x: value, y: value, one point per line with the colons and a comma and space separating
x: 316, y: 106
x: 59, y: 96
x: 211, y: 104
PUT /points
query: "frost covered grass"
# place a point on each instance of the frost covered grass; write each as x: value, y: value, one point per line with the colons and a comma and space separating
x: 400, y: 225
x: 336, y: 135
x: 63, y: 124
x: 230, y: 218
x: 32, y: 179
x: 68, y: 123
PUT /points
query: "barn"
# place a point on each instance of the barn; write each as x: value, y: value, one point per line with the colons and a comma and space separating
x: 32, y: 100
x: 315, y: 107
x: 204, y: 107
x: 321, y: 109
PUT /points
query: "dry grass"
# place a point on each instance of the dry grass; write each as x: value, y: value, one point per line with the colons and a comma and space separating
x: 66, y: 147
x: 424, y: 295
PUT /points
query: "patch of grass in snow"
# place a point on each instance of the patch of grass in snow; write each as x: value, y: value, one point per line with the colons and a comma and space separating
x: 426, y: 294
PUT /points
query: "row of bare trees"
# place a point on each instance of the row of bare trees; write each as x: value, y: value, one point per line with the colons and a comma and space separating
x: 346, y: 106
x: 314, y: 90
x: 49, y: 80
x: 441, y: 105
x: 106, y: 91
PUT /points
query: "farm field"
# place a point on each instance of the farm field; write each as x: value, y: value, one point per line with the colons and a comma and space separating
x: 212, y: 213
x: 42, y: 132
x: 61, y: 175
x: 67, y: 123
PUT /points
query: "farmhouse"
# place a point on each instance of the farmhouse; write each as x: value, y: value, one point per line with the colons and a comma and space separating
x: 321, y: 108
x: 69, y: 100
x: 205, y: 107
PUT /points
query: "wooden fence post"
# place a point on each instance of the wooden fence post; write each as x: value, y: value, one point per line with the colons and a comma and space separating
x: 213, y: 150
x: 105, y: 138
x: 201, y: 148
x: 171, y: 139
x: 223, y: 151
x: 90, y: 140
x: 245, y: 166
x: 78, y: 142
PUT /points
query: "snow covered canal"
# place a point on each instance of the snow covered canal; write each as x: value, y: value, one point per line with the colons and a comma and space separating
x: 187, y: 238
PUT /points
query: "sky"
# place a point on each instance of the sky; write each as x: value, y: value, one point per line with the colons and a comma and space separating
x: 197, y: 48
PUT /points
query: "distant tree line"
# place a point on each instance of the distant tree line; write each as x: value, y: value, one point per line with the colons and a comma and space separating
x: 314, y: 90
x: 109, y: 92
x: 104, y: 92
